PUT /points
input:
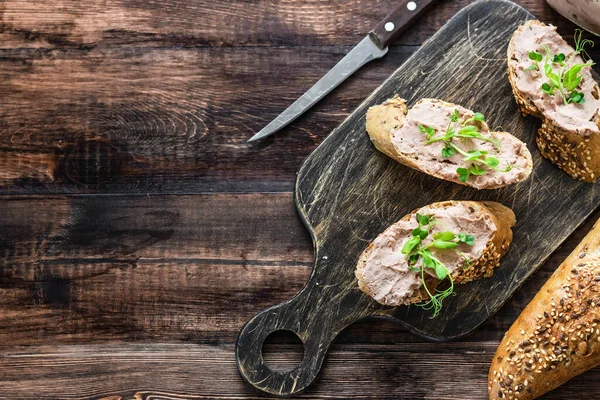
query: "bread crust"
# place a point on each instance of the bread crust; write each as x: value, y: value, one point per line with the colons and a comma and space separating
x: 576, y: 153
x: 502, y: 217
x: 557, y: 336
x: 386, y: 118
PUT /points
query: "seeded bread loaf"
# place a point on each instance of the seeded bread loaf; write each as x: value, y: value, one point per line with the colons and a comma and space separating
x: 383, y: 271
x: 396, y: 132
x: 570, y: 133
x: 557, y: 336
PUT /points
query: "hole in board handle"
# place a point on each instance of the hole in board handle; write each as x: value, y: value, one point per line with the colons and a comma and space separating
x: 282, y: 351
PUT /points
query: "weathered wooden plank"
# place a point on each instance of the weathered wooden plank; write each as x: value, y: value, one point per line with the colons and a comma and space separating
x: 85, y: 110
x: 155, y: 120
x: 83, y: 294
x: 185, y: 371
x: 208, y: 23
x: 101, y: 268
x: 238, y: 228
x: 145, y: 268
x: 78, y: 302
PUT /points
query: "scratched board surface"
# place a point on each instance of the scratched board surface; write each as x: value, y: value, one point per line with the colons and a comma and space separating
x: 347, y: 193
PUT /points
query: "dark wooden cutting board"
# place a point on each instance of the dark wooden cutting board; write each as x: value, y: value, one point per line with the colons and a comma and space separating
x: 347, y: 193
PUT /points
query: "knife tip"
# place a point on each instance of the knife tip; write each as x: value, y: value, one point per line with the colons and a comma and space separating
x: 262, y: 134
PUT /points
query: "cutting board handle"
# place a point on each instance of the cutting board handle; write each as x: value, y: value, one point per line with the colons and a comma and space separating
x: 316, y: 315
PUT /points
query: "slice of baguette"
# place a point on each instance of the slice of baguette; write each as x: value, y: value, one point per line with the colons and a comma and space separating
x: 394, y: 131
x: 382, y: 270
x: 570, y: 133
x: 557, y: 336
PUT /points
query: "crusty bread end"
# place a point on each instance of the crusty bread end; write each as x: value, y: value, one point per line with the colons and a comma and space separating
x: 576, y: 153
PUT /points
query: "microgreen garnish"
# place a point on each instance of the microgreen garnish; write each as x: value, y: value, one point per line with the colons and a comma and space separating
x: 559, y: 59
x: 536, y: 58
x: 478, y: 161
x: 415, y: 250
x: 567, y: 79
x: 427, y: 130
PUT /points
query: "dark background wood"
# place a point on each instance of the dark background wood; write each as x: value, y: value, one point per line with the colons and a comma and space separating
x: 139, y: 231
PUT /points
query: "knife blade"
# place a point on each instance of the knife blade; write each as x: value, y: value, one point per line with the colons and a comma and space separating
x: 373, y: 46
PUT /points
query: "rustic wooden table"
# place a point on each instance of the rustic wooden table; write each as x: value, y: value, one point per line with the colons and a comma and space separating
x: 139, y: 230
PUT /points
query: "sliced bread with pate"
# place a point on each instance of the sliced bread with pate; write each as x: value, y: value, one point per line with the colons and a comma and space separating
x: 467, y: 238
x: 449, y: 142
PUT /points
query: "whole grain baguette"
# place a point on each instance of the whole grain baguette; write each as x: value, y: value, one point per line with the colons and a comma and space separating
x: 395, y: 132
x: 567, y: 139
x: 497, y: 217
x: 557, y: 336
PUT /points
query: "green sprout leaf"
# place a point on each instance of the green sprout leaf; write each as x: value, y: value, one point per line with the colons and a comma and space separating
x: 576, y: 97
x: 469, y: 131
x: 455, y: 116
x: 410, y: 244
x: 491, y: 162
x: 558, y: 58
x: 420, y: 232
x: 547, y: 89
x: 412, y: 259
x: 428, y: 259
x: 468, y: 239
x: 479, y: 117
x: 446, y: 235
x: 463, y: 174
x: 572, y: 79
x: 475, y: 154
x: 429, y: 131
x: 443, y: 244
x: 535, y: 56
x: 441, y: 271
x: 448, y: 151
x: 422, y: 219
x: 476, y: 170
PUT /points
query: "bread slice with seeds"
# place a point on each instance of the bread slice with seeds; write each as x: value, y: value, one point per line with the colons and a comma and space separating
x: 570, y: 132
x: 404, y: 135
x: 557, y: 336
x: 386, y: 274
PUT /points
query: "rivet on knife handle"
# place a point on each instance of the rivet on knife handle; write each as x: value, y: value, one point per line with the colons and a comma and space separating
x: 396, y: 22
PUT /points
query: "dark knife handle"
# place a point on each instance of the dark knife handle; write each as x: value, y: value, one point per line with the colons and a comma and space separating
x: 398, y: 20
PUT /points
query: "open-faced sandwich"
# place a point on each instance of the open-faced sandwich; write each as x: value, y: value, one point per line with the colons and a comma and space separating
x: 457, y: 241
x: 557, y: 336
x: 553, y: 81
x: 449, y: 142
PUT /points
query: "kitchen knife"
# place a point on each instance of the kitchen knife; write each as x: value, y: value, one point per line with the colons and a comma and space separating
x: 373, y: 46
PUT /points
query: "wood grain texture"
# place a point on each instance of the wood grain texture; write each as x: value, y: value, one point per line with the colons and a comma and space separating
x: 155, y: 120
x: 123, y: 268
x: 131, y: 96
x: 348, y: 193
x: 80, y: 324
x: 103, y: 23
